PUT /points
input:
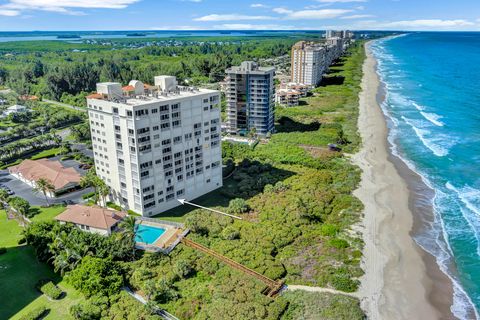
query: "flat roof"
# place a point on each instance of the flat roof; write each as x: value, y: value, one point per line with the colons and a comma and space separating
x: 148, y: 99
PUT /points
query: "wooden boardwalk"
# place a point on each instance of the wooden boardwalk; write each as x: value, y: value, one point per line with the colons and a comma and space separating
x: 273, y: 287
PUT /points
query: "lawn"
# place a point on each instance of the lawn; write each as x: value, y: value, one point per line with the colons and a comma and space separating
x: 10, y: 231
x: 46, y: 214
x: 20, y: 270
x: 45, y: 154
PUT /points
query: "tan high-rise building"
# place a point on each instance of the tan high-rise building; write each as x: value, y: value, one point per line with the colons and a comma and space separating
x: 308, y: 63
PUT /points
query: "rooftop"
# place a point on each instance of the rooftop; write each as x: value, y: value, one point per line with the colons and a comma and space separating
x: 250, y: 67
x: 138, y: 93
x: 95, y: 217
x: 53, y: 171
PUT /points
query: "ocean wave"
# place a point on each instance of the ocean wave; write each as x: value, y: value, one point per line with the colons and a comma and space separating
x: 433, y: 118
x: 468, y: 195
x: 436, y: 144
x: 419, y: 107
x: 435, y: 240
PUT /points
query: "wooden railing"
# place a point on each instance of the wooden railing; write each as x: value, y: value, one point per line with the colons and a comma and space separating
x: 273, y: 286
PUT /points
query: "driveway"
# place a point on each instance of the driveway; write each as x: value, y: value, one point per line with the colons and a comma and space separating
x: 37, y: 199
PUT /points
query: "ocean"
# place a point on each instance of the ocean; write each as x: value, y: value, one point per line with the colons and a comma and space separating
x: 432, y: 104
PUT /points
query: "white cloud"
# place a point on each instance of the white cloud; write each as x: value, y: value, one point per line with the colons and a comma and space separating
x: 15, y: 7
x: 357, y: 16
x: 258, y: 5
x: 312, y: 14
x: 9, y: 13
x: 408, y: 25
x: 231, y: 17
x: 429, y: 23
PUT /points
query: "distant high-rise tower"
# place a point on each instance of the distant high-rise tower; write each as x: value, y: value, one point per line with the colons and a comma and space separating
x: 308, y: 63
x: 250, y: 94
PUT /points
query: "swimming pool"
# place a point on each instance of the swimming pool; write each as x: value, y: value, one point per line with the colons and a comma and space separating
x: 148, y: 234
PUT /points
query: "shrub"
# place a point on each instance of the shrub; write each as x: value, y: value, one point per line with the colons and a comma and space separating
x: 88, y: 195
x: 338, y: 243
x: 51, y: 290
x: 3, y: 250
x: 35, y: 314
x: 114, y: 206
x: 22, y: 240
x: 329, y: 230
x: 344, y: 283
x: 237, y: 206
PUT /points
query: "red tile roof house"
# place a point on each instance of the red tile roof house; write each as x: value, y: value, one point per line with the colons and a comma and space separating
x: 92, y: 219
x: 63, y: 179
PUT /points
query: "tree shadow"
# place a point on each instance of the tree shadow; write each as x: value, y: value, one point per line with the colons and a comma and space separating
x: 33, y: 212
x: 332, y: 81
x: 286, y: 125
x: 248, y: 180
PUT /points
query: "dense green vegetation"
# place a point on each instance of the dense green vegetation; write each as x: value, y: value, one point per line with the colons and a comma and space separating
x: 294, y: 194
x: 68, y: 76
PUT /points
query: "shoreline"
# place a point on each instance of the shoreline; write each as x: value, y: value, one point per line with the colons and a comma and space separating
x: 401, y: 280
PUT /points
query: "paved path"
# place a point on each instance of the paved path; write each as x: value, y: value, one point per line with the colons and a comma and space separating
x: 293, y: 287
x: 162, y: 313
x: 65, y: 105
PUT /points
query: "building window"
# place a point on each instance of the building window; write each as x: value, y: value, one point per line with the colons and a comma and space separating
x: 129, y: 113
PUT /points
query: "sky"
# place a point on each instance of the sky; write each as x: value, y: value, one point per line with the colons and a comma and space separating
x: 51, y: 15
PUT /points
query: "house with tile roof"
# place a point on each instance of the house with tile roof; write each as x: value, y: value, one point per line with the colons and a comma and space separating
x: 92, y: 219
x: 63, y: 179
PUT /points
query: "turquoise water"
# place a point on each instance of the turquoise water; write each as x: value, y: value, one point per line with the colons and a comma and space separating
x: 432, y: 83
x: 148, y: 234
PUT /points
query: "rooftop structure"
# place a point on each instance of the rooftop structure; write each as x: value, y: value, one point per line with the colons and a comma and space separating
x: 92, y: 218
x: 156, y: 143
x: 250, y: 98
x: 63, y: 179
x: 15, y: 109
x: 287, y: 97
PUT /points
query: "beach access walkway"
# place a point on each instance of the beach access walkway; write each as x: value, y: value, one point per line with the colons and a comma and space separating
x: 293, y: 287
x: 273, y: 287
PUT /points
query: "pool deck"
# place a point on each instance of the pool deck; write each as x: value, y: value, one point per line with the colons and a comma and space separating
x: 168, y: 240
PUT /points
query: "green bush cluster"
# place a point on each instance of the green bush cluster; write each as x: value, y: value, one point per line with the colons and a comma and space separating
x: 51, y: 290
x: 35, y: 314
x: 3, y: 250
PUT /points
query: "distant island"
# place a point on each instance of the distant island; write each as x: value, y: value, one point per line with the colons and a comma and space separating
x: 68, y: 36
x: 136, y: 34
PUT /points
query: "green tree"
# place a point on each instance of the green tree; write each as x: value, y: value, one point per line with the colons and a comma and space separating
x: 129, y: 229
x: 44, y: 186
x: 95, y: 276
x: 237, y: 206
x: 20, y: 205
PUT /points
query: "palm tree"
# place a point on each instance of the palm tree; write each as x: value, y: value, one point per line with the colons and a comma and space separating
x: 103, y: 191
x: 129, y: 231
x: 44, y: 185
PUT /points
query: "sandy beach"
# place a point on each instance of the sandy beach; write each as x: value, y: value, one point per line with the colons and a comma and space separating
x: 401, y: 281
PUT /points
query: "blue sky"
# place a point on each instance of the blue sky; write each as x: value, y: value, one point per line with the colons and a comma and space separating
x: 239, y: 14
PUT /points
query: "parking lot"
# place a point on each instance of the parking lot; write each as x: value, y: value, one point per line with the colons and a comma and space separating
x: 37, y: 198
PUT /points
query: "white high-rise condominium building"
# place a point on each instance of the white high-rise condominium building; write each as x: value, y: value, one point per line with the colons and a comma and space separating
x: 155, y: 144
x: 308, y: 63
x: 250, y: 94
